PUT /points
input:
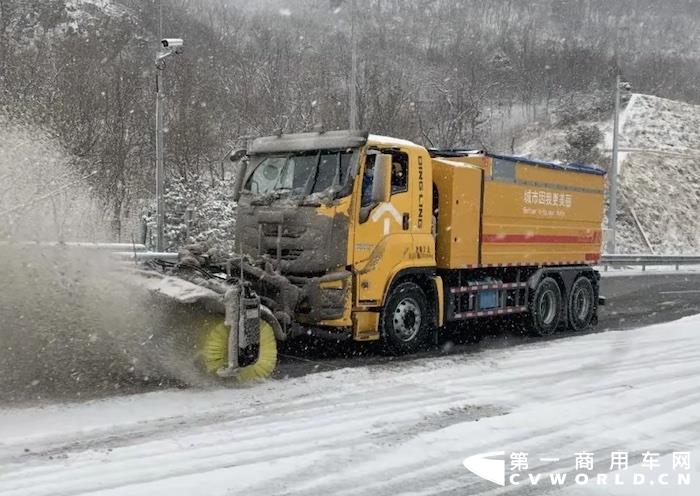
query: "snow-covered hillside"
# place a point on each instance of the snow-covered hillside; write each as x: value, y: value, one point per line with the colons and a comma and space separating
x: 393, y: 429
x: 659, y: 173
x: 82, y: 13
x: 661, y: 124
x: 80, y: 9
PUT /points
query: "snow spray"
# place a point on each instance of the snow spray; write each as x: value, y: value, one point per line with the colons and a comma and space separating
x: 71, y: 326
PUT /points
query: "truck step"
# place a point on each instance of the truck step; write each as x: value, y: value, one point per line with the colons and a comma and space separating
x: 488, y: 313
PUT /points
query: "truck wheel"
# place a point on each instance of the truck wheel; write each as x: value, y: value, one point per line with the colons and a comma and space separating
x: 404, y: 320
x: 581, y: 304
x: 545, y: 308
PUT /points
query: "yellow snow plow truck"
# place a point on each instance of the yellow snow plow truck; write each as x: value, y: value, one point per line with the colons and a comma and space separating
x: 348, y: 235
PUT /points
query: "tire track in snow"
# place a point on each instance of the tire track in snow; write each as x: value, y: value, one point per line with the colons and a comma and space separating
x: 452, y: 472
x: 246, y: 447
x: 661, y: 403
x: 186, y: 424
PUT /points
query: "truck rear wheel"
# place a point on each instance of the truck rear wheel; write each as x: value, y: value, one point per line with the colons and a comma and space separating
x: 404, y: 320
x: 545, y: 308
x: 581, y: 304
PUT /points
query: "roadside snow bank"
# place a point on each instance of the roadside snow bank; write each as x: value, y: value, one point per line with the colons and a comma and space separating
x: 402, y: 428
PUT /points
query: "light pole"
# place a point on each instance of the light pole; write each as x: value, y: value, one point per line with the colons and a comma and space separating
x: 352, y: 86
x: 612, y: 211
x: 353, y: 75
x: 171, y: 46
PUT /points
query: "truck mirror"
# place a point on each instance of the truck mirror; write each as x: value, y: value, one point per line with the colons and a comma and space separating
x: 240, y: 177
x: 381, y: 184
x: 236, y: 155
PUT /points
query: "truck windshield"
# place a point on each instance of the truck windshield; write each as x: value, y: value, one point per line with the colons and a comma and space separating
x: 300, y: 173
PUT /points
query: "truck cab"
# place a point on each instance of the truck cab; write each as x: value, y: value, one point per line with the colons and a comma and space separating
x: 307, y: 214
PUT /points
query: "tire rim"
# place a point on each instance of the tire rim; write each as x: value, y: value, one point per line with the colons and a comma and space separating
x: 407, y: 319
x: 581, y: 304
x: 548, y: 307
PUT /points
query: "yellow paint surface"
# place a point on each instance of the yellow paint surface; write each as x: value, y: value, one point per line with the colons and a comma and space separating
x: 459, y: 203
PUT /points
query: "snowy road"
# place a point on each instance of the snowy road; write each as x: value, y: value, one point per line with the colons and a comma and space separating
x: 397, y: 428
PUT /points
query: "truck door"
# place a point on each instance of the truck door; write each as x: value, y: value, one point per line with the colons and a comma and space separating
x: 383, y: 236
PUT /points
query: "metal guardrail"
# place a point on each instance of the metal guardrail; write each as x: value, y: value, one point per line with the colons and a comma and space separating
x: 145, y: 256
x: 648, y: 260
x: 132, y: 247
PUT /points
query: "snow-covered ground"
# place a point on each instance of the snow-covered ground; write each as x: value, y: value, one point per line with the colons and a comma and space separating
x: 402, y: 428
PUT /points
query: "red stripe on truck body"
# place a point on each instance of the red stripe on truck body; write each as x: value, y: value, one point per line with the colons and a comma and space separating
x: 540, y: 238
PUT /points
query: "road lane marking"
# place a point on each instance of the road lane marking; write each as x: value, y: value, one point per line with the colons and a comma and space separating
x: 687, y: 291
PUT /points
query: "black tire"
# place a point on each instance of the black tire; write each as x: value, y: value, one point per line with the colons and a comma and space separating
x: 545, y: 308
x: 404, y: 320
x: 581, y: 304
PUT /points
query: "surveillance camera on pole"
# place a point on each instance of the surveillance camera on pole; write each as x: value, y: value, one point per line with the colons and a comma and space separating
x: 171, y: 46
x: 174, y: 44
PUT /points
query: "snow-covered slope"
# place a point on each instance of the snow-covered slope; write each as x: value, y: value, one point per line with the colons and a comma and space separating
x: 660, y: 124
x: 82, y: 8
x: 395, y: 429
x: 659, y: 173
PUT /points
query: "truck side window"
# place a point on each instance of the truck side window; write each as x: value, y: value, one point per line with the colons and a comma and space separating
x: 399, y: 178
x: 399, y: 171
x: 367, y: 180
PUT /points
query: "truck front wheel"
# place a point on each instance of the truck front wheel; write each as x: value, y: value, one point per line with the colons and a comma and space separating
x: 545, y: 308
x: 404, y: 320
